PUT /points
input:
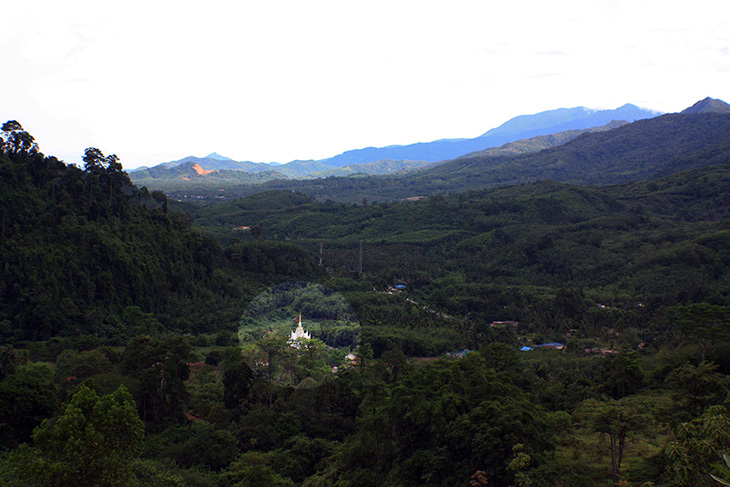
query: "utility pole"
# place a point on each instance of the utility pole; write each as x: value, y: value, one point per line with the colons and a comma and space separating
x: 360, y: 257
x: 321, y: 244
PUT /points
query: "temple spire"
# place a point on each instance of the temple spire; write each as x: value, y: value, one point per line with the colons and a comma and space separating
x: 298, y: 334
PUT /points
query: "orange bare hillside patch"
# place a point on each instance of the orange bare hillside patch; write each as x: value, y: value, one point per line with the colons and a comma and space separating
x: 200, y: 170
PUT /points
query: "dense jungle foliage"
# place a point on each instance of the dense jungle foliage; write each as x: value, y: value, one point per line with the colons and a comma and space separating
x: 553, y: 257
x: 86, y: 252
x: 120, y: 359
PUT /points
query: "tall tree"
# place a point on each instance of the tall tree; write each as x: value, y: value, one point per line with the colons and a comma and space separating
x: 619, y: 420
x: 237, y: 379
x: 694, y: 388
x: 15, y: 140
x: 161, y: 366
x: 704, y: 322
x: 95, y: 161
x: 25, y: 400
x: 91, y: 443
x: 624, y: 375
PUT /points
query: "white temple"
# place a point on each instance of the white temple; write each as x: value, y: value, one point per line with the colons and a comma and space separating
x: 298, y: 334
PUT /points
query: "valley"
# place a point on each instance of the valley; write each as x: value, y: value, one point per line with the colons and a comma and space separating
x: 148, y: 338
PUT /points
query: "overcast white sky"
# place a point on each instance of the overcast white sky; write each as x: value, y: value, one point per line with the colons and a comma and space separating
x: 154, y: 81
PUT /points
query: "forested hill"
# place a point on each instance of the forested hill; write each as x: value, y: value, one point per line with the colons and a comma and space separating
x: 642, y: 150
x: 637, y: 151
x: 83, y: 251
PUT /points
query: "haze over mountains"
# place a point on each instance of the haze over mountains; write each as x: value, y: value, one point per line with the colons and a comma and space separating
x: 393, y: 159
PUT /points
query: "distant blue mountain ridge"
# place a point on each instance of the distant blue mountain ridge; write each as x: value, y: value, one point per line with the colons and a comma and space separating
x: 521, y: 127
x: 215, y: 155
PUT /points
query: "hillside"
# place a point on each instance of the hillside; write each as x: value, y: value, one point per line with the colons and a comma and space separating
x: 708, y: 105
x: 641, y: 150
x: 633, y: 152
x: 202, y: 170
x: 85, y: 252
x: 212, y: 161
x: 542, y: 142
x: 378, y: 168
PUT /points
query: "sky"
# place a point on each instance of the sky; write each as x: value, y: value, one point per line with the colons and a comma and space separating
x: 277, y: 80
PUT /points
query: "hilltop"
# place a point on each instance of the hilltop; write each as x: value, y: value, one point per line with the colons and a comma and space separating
x: 708, y: 105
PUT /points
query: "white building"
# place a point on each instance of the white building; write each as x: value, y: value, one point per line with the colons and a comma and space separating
x: 298, y: 335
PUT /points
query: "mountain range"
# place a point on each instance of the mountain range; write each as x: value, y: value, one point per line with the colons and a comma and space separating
x: 400, y: 158
x: 638, y: 151
x: 617, y: 152
x: 522, y: 127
